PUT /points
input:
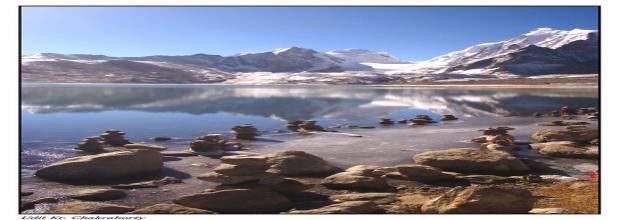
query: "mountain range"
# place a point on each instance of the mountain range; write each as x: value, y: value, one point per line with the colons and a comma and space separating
x: 540, y: 52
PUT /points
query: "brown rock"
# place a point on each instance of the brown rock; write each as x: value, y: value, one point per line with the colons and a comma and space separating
x: 98, y: 194
x: 377, y: 198
x: 169, y: 208
x: 249, y: 160
x: 91, y: 208
x: 423, y: 173
x: 580, y: 135
x: 298, y: 163
x: 354, y: 182
x: 148, y: 184
x: 481, y: 200
x: 470, y: 160
x: 567, y: 149
x: 145, y: 146
x: 240, y: 170
x: 351, y: 207
x: 237, y: 201
x: 105, y: 166
x: 227, y: 179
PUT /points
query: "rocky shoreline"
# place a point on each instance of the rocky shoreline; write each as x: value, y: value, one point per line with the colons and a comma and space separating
x: 493, y: 178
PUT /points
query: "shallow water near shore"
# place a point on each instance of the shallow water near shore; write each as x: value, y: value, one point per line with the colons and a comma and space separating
x: 55, y: 117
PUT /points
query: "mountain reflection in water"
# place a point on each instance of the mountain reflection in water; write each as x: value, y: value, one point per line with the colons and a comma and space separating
x: 298, y: 102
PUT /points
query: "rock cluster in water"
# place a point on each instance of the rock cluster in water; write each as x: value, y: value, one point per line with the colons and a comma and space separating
x: 449, y: 118
x: 91, y: 144
x: 421, y: 120
x: 244, y: 131
x: 212, y: 145
x: 386, y: 121
x: 302, y: 126
x: 114, y: 138
x: 496, y: 138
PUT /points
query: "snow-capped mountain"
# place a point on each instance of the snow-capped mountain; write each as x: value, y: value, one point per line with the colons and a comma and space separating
x: 543, y: 51
x: 365, y: 56
x: 541, y: 37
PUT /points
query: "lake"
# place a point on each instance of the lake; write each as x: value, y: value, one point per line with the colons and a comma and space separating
x: 55, y: 117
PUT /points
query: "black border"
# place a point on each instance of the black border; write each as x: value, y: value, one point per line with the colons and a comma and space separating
x: 19, y: 34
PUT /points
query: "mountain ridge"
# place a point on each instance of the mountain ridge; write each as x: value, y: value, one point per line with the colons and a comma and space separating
x: 542, y: 51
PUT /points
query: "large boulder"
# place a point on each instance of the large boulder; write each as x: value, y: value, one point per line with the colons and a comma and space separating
x: 567, y: 149
x: 105, y: 166
x: 245, y: 160
x: 237, y: 201
x: 470, y: 160
x: 350, y: 207
x: 98, y: 194
x: 298, y: 163
x: 91, y: 208
x: 352, y: 181
x: 481, y: 200
x: 580, y: 134
x: 168, y: 208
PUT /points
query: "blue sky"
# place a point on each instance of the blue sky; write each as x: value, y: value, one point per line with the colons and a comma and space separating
x: 411, y: 33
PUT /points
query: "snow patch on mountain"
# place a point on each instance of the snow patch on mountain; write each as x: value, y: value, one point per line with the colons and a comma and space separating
x: 366, y: 56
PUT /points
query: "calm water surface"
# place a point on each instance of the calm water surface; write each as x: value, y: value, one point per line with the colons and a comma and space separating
x: 57, y: 116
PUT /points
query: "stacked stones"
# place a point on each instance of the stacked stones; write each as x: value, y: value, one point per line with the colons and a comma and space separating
x: 308, y: 125
x: 114, y: 138
x: 237, y: 169
x: 211, y: 144
x: 448, y: 118
x: 244, y: 131
x: 91, y: 144
x: 421, y: 120
x: 386, y: 121
x: 251, y: 169
x: 496, y: 138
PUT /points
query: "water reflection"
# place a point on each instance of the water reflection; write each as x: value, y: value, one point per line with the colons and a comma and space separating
x: 297, y: 102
